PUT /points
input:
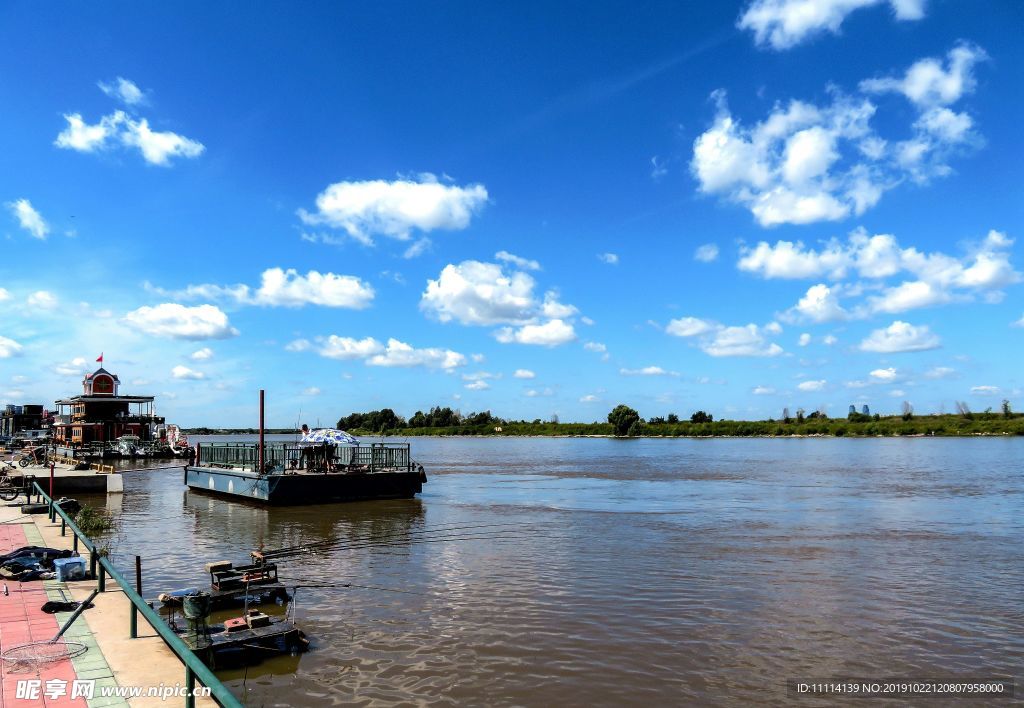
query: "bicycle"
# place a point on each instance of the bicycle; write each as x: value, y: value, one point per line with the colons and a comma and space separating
x: 8, y: 490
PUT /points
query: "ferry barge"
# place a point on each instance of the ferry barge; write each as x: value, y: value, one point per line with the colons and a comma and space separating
x: 280, y: 474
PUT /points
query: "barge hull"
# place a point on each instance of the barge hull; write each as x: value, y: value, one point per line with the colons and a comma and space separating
x: 303, y: 489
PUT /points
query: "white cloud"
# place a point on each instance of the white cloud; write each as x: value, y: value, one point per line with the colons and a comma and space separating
x: 202, y: 354
x: 183, y: 372
x: 819, y: 304
x: 517, y: 261
x: 884, y: 375
x: 289, y: 289
x: 719, y: 340
x: 900, y: 337
x: 478, y: 385
x: 311, y: 391
x: 934, y: 278
x: 28, y: 218
x: 805, y: 339
x: 550, y: 334
x: 689, y: 327
x: 4, y: 294
x: 476, y: 293
x: 180, y: 322
x: 595, y: 347
x: 589, y: 398
x: 763, y: 391
x: 829, y: 340
x: 348, y: 348
x: 927, y: 84
x: 648, y: 371
x: 706, y: 253
x: 477, y: 358
x: 524, y: 374
x: 299, y: 345
x: 534, y: 393
x: 788, y: 168
x: 806, y: 163
x: 123, y: 90
x: 9, y: 348
x: 609, y: 258
x: 782, y: 24
x: 740, y: 341
x: 394, y: 209
x: 986, y: 390
x: 76, y: 367
x: 1018, y: 323
x: 156, y: 147
x: 897, y: 393
x: 812, y: 385
x: 42, y: 300
x: 401, y: 354
x: 286, y: 288
x: 940, y: 372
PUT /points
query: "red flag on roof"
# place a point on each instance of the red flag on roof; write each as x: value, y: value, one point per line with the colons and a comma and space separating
x: 100, y: 358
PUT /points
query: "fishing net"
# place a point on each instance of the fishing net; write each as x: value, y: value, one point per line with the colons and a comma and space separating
x: 26, y: 657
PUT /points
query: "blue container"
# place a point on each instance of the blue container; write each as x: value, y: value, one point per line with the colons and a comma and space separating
x: 69, y: 568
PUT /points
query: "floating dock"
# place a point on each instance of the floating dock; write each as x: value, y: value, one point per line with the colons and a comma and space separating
x: 288, y: 475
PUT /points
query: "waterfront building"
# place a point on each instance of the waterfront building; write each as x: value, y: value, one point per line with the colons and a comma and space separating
x: 21, y: 419
x: 102, y: 414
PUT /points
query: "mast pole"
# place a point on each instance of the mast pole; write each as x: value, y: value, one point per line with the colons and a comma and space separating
x: 261, y: 453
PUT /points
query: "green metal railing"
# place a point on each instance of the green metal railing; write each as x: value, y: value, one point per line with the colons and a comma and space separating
x: 286, y: 456
x: 100, y: 566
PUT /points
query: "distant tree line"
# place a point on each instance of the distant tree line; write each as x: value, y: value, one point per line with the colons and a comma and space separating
x: 624, y: 421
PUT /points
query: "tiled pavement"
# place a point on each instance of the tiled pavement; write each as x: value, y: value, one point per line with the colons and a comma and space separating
x: 22, y: 620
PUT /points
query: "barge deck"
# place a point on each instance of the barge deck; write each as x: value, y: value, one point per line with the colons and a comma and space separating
x: 299, y: 475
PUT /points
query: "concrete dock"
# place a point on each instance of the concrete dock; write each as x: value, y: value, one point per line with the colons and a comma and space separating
x: 67, y: 481
x: 113, y: 660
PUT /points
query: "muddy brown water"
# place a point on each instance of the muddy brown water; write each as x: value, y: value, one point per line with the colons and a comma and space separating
x: 627, y: 572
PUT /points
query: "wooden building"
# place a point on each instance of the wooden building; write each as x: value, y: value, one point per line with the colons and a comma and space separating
x: 102, y: 414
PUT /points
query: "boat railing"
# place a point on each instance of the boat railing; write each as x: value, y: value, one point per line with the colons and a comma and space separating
x: 100, y: 567
x: 289, y: 457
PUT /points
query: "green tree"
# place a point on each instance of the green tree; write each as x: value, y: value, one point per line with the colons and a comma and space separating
x: 621, y: 418
x: 701, y: 417
x: 1007, y: 413
x: 637, y: 429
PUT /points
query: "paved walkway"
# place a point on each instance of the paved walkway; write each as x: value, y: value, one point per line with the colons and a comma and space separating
x: 112, y: 659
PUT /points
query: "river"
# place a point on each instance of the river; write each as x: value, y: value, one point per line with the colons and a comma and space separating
x: 628, y: 572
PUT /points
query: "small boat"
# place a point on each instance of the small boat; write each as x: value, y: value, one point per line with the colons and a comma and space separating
x: 231, y: 586
x: 239, y: 641
x: 250, y: 639
x: 128, y: 445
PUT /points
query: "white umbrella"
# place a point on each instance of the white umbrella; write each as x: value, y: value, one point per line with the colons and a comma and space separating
x: 329, y: 435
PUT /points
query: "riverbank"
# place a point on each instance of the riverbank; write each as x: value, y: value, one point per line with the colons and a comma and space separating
x: 984, y: 424
x: 863, y: 426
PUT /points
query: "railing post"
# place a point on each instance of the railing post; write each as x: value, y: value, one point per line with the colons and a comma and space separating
x: 63, y: 526
x: 101, y: 579
x: 74, y: 544
x: 138, y: 588
x: 190, y: 687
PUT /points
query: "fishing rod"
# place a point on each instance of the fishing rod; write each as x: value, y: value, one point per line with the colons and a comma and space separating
x: 365, y: 538
x: 394, y: 542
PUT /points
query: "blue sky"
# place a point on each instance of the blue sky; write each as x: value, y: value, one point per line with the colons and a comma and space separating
x: 534, y: 209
